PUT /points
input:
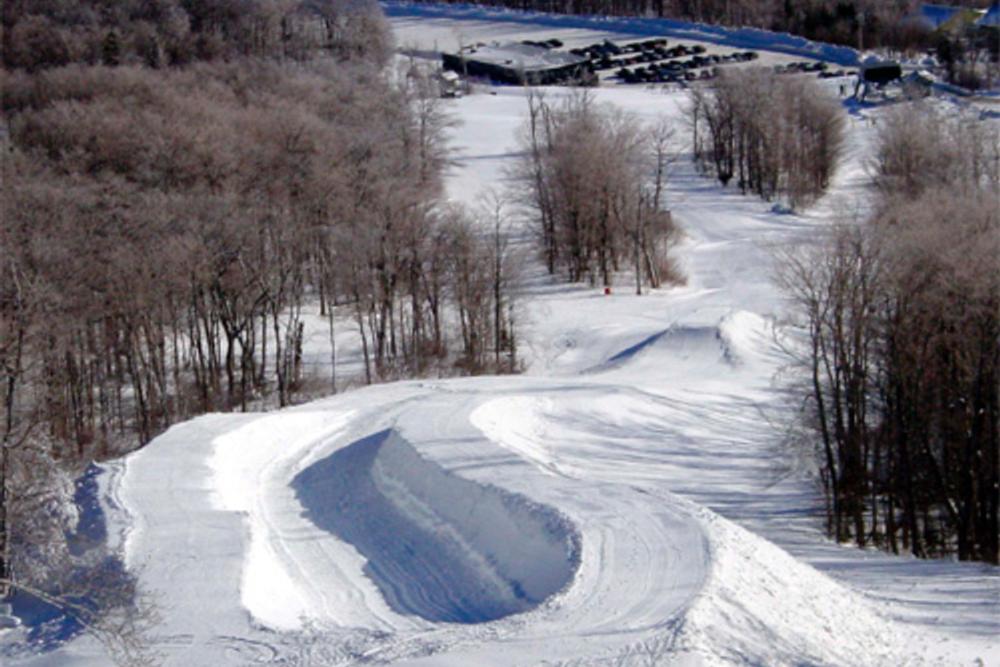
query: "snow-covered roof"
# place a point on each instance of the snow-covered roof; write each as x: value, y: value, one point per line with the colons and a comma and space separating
x: 525, y: 57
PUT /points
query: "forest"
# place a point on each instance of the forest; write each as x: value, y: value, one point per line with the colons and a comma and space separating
x: 50, y: 33
x: 901, y: 364
x: 183, y: 181
x: 594, y: 180
x: 901, y: 307
x: 850, y: 22
x: 778, y: 138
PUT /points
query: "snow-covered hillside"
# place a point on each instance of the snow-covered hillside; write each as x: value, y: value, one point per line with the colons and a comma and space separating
x: 629, y: 500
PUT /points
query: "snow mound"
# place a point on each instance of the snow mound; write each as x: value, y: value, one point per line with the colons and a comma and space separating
x: 755, y: 604
x: 745, y: 336
x: 675, y: 347
x: 438, y: 546
x: 250, y: 467
x: 762, y: 606
x: 735, y: 339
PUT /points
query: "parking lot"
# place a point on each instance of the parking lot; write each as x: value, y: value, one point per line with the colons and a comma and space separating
x: 616, y: 57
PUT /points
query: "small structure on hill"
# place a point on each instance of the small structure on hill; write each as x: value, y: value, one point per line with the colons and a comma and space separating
x: 517, y: 63
x: 877, y: 75
x: 450, y: 84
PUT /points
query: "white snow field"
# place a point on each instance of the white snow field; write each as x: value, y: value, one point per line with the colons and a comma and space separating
x: 629, y: 500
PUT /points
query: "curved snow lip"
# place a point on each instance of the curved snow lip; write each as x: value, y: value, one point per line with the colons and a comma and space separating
x: 677, y: 345
x: 438, y: 546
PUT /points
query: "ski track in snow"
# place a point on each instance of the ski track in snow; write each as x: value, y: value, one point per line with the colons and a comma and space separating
x: 626, y: 501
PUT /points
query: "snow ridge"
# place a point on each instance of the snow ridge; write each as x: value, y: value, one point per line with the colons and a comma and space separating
x: 438, y: 546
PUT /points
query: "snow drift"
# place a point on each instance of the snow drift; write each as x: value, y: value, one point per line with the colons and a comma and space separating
x: 438, y: 546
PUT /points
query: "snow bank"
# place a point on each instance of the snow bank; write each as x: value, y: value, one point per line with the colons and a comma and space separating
x: 438, y: 546
x: 683, y: 345
x: 696, y: 350
x: 757, y: 604
x: 762, y: 606
x: 746, y: 337
x: 677, y: 349
x: 247, y: 476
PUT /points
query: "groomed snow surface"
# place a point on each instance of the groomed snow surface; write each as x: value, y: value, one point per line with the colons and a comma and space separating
x: 627, y: 501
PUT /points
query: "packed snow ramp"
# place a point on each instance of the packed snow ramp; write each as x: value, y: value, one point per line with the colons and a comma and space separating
x: 438, y: 546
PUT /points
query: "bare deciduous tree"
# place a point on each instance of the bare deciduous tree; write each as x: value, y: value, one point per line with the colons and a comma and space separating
x: 903, y: 363
x: 594, y: 181
x: 777, y: 137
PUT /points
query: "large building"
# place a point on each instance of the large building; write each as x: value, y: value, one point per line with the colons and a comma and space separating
x: 517, y: 63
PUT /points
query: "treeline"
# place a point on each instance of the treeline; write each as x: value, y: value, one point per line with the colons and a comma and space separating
x: 858, y: 23
x: 773, y: 136
x: 50, y: 33
x: 164, y: 231
x: 594, y: 181
x: 903, y: 357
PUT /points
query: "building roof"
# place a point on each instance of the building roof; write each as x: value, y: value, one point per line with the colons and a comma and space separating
x: 523, y: 57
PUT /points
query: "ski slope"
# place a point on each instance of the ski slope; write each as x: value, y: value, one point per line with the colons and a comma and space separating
x: 627, y: 501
